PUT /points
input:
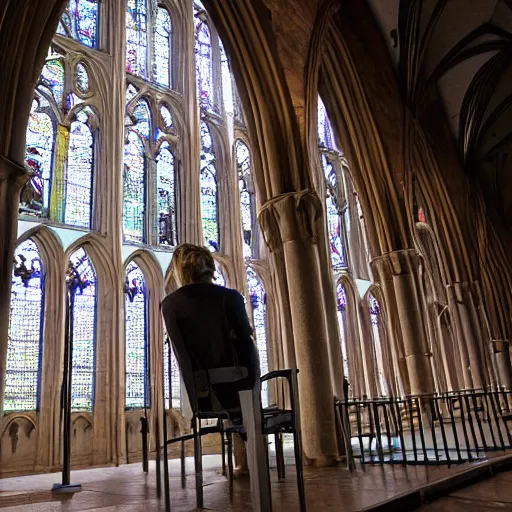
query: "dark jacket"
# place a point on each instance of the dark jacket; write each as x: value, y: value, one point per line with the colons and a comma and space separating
x: 209, y: 328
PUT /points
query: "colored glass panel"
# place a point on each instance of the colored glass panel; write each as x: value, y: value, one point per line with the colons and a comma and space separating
x: 166, y: 116
x: 135, y: 310
x: 227, y: 84
x: 24, y: 345
x: 134, y: 189
x: 375, y: 320
x: 204, y: 64
x: 243, y: 160
x: 175, y: 387
x: 82, y: 277
x: 209, y: 211
x: 342, y: 307
x: 131, y: 92
x: 325, y: 132
x: 162, y: 48
x: 333, y: 214
x: 218, y: 276
x: 79, y: 172
x: 259, y: 314
x: 137, y: 38
x: 52, y: 77
x: 142, y: 116
x: 166, y: 198
x: 80, y: 22
x: 35, y: 197
x: 82, y: 78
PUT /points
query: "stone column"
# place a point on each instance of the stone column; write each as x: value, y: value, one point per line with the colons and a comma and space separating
x: 12, y: 178
x: 469, y: 333
x: 399, y: 270
x: 502, y: 354
x: 288, y: 223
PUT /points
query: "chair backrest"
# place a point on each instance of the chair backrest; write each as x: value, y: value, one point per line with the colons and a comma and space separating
x: 202, y: 345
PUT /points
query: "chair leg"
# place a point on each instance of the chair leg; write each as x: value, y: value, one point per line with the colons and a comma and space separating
x: 183, y: 466
x: 223, y: 451
x: 278, y: 438
x: 297, y: 446
x: 258, y: 463
x: 198, y: 462
x: 230, y: 462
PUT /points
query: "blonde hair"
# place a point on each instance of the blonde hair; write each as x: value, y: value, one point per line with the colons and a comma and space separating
x: 192, y: 264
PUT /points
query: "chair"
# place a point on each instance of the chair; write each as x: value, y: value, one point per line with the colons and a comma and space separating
x: 205, y: 405
x: 260, y: 424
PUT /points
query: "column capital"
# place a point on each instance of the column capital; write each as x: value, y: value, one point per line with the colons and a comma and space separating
x: 288, y: 217
x: 396, y: 263
x: 12, y: 171
x: 500, y: 345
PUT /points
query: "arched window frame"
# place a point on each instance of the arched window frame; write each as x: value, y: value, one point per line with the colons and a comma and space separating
x: 161, y: 133
x: 132, y: 290
x: 244, y: 178
x: 63, y: 98
x: 24, y: 272
x: 254, y: 281
x: 82, y: 275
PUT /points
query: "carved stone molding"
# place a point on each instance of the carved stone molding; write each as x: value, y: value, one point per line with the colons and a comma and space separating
x: 290, y: 216
x: 10, y: 170
x: 396, y: 263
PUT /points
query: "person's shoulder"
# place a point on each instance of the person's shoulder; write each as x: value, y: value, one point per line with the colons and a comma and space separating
x: 172, y: 298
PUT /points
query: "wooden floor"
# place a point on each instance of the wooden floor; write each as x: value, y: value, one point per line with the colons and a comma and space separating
x: 127, y: 489
x: 486, y: 496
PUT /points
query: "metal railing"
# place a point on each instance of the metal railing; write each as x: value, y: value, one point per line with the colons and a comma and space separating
x: 448, y: 428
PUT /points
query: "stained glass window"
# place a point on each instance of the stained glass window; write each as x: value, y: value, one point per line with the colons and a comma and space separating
x: 80, y: 22
x: 82, y: 78
x: 136, y: 341
x: 82, y: 277
x: 24, y: 345
x: 52, y: 78
x: 166, y: 198
x: 333, y: 214
x: 325, y: 133
x: 204, y: 63
x: 79, y: 171
x: 162, y: 48
x: 218, y: 277
x: 243, y: 160
x: 342, y: 307
x: 175, y: 378
x: 35, y: 198
x: 375, y: 321
x: 166, y: 116
x: 134, y: 179
x: 137, y: 38
x: 227, y: 84
x: 258, y: 299
x: 209, y: 207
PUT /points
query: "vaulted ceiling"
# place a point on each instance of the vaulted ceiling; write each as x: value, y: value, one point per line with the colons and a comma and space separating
x: 464, y: 49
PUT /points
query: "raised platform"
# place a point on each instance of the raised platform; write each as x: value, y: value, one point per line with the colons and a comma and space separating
x: 127, y: 489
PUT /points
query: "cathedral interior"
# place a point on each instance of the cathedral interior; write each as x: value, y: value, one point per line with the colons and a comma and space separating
x: 345, y: 161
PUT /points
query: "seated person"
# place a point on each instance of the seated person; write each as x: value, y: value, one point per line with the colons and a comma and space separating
x: 209, y: 323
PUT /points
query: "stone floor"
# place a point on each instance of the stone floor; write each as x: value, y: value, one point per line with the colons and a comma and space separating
x: 127, y: 489
x: 486, y: 496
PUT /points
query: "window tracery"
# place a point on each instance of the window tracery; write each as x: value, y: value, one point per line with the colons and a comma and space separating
x: 60, y: 144
x: 25, y: 339
x: 175, y: 389
x: 136, y: 338
x: 149, y: 205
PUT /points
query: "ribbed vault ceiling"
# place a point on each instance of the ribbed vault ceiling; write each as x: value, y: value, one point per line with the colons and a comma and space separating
x: 464, y: 48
